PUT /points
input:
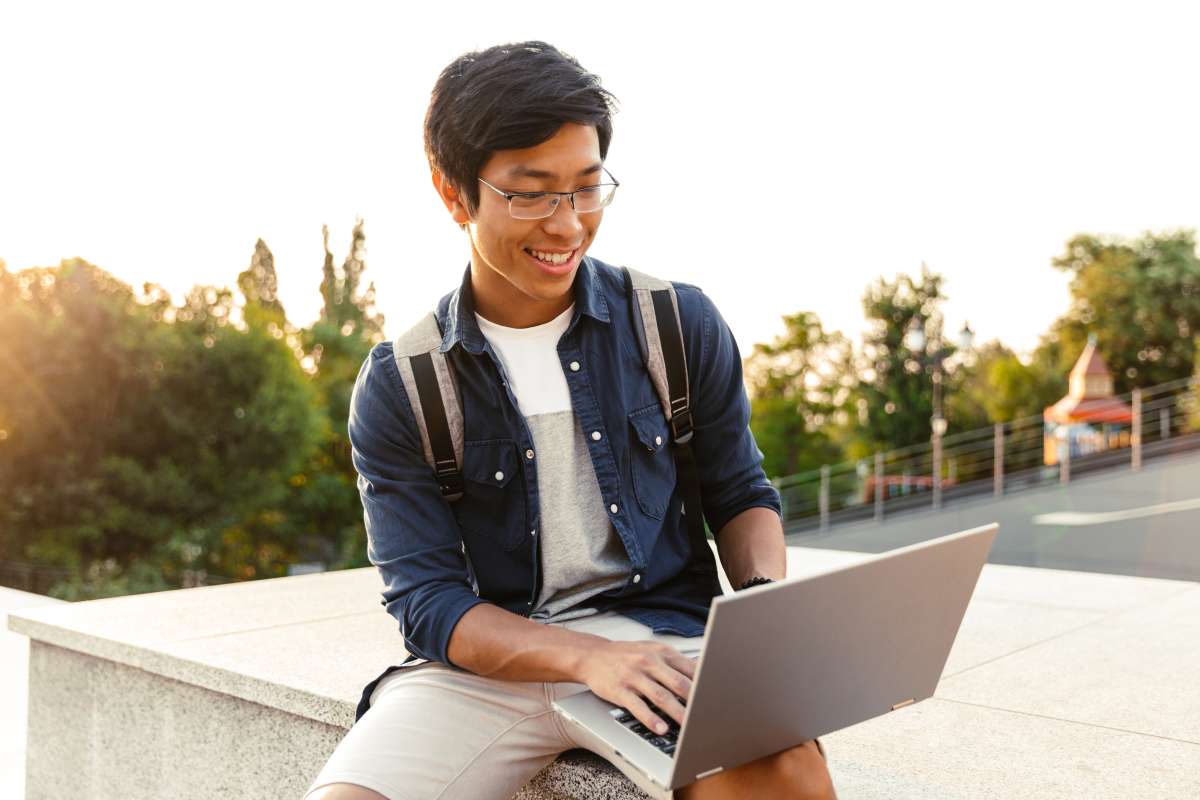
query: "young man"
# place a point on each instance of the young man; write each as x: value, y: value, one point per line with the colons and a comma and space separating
x: 566, y: 564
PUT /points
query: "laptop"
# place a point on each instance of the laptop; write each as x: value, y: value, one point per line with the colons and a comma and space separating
x: 790, y: 661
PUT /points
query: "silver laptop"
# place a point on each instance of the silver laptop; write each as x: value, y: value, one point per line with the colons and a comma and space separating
x: 790, y: 661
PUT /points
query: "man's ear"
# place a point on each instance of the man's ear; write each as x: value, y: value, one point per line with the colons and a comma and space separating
x: 453, y: 201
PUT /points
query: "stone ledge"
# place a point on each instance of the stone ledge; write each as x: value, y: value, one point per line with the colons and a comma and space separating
x: 267, y: 646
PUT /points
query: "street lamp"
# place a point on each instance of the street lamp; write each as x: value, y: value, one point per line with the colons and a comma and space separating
x: 916, y: 341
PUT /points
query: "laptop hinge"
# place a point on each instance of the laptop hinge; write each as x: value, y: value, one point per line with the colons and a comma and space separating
x: 706, y: 773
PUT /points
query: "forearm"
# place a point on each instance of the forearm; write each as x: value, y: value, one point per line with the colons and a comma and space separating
x: 495, y: 643
x: 751, y: 544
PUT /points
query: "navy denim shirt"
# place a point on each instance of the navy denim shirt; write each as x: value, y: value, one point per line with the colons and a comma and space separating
x: 431, y: 553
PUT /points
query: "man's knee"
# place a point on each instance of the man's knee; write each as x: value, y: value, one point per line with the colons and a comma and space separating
x: 344, y: 791
x: 804, y: 771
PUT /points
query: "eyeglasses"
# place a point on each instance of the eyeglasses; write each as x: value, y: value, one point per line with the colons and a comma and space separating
x: 539, y: 205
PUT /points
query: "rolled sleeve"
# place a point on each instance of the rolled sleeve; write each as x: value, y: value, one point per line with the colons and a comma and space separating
x: 728, y: 459
x: 412, y: 536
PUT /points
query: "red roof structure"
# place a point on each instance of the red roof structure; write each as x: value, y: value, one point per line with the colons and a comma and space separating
x: 1090, y: 393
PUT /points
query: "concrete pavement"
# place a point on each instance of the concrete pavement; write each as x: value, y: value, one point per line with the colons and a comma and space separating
x: 1120, y: 522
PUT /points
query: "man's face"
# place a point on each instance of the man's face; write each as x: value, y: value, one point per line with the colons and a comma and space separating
x: 511, y: 285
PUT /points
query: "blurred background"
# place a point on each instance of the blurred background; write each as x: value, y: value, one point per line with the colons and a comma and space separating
x: 917, y: 219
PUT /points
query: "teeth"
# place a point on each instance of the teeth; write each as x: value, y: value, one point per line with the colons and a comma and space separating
x: 552, y: 258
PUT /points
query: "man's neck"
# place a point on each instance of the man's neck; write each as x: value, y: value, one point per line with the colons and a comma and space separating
x: 498, y: 301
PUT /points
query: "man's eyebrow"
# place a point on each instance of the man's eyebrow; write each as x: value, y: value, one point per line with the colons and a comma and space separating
x: 522, y: 171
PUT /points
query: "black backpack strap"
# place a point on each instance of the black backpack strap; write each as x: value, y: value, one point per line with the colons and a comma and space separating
x: 655, y: 310
x: 432, y: 392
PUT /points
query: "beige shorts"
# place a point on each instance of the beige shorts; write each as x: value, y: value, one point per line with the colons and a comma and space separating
x: 437, y: 732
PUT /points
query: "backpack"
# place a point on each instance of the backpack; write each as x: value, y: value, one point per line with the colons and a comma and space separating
x: 432, y: 391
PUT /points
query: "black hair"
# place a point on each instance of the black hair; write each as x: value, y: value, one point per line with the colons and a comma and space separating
x: 508, y: 97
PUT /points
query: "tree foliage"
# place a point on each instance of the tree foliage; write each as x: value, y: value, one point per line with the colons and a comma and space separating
x: 143, y: 441
x: 1141, y: 299
x: 894, y: 398
x: 795, y: 391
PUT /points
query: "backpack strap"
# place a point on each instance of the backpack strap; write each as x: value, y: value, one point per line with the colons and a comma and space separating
x: 432, y: 390
x: 655, y: 310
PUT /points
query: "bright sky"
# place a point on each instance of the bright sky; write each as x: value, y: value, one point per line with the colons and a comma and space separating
x: 780, y: 157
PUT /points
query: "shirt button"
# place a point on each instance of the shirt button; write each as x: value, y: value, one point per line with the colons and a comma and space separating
x: 574, y: 366
x: 595, y: 436
x: 499, y: 476
x: 613, y: 508
x: 529, y: 454
x: 637, y: 577
x: 658, y: 440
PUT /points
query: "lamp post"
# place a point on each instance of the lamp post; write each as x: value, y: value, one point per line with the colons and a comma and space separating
x: 917, y: 343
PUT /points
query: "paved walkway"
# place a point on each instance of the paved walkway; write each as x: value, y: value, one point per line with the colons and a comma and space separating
x: 1120, y: 522
x: 14, y: 685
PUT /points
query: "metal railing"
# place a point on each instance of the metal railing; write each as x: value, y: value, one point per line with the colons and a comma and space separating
x: 997, y: 460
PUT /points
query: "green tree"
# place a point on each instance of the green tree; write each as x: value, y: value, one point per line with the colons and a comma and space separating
x: 139, y: 434
x: 894, y: 395
x: 1140, y: 297
x: 336, y: 345
x: 996, y: 386
x: 794, y: 395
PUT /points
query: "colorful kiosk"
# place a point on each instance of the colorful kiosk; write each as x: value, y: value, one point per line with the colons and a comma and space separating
x: 1090, y: 419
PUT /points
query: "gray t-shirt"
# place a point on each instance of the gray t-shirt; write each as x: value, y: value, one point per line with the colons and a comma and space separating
x: 581, y: 554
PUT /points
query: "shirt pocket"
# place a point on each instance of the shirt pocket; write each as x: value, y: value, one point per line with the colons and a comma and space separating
x: 493, y: 503
x: 650, y: 460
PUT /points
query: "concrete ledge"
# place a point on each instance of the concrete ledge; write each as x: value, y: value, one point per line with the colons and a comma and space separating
x: 243, y: 690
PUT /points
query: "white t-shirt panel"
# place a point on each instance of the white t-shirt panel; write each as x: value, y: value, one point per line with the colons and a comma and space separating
x: 581, y: 554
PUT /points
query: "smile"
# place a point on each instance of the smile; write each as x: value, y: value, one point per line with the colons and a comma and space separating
x: 555, y: 263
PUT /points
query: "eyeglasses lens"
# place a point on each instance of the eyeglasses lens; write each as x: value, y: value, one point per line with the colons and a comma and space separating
x: 593, y: 198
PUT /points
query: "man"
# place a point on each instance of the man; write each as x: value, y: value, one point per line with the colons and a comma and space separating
x: 566, y: 563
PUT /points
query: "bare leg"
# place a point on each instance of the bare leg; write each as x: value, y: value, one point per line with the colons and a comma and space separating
x: 799, y: 773
x: 345, y: 791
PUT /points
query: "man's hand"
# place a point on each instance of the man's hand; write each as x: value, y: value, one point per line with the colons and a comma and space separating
x: 629, y: 673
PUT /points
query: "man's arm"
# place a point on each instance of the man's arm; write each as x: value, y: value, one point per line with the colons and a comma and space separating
x: 495, y: 643
x: 751, y: 545
x: 740, y: 505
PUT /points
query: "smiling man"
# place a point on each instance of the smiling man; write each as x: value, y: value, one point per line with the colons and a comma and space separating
x: 557, y: 558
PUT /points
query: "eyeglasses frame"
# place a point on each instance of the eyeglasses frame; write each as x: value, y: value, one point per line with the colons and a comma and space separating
x: 508, y: 196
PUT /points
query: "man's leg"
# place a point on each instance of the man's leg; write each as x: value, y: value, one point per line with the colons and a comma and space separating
x: 344, y: 791
x: 798, y: 774
x: 439, y: 732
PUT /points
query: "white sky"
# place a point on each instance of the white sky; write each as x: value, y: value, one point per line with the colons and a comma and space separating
x: 780, y: 158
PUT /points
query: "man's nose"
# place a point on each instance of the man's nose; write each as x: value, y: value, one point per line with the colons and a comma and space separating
x: 564, y: 222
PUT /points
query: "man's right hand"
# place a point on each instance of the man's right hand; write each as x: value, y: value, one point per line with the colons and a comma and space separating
x: 630, y: 673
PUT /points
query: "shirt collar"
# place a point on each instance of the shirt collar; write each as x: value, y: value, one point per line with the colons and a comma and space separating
x: 459, y: 324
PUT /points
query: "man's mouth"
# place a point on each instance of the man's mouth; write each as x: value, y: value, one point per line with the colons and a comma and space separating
x: 552, y: 257
x: 553, y: 262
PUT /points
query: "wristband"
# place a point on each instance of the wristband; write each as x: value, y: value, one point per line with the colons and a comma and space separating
x: 757, y: 580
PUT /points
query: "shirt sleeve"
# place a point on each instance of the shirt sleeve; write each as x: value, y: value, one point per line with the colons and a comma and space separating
x: 727, y: 458
x: 412, y: 536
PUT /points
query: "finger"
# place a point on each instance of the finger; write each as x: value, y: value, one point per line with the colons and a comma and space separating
x: 635, y: 705
x: 679, y: 684
x: 682, y: 663
x: 663, y: 698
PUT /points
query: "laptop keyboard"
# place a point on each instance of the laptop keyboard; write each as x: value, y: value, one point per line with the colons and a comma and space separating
x: 666, y: 742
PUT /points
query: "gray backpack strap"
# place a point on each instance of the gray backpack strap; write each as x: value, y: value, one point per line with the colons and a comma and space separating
x: 433, y: 394
x: 655, y: 310
x: 657, y: 317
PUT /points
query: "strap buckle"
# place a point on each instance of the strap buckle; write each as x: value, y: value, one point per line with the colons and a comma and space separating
x: 681, y: 424
x: 450, y: 480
